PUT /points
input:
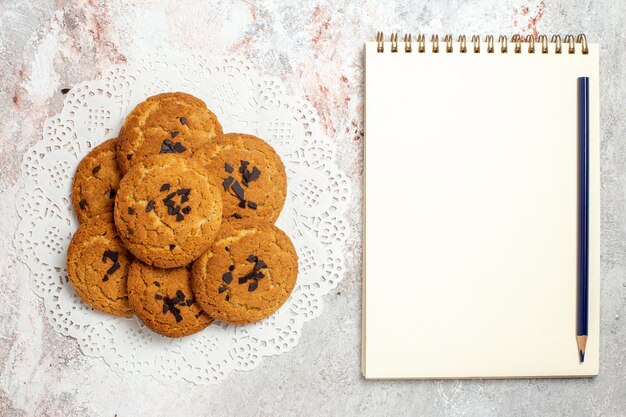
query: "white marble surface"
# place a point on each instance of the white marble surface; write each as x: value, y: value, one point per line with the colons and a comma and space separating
x: 316, y: 48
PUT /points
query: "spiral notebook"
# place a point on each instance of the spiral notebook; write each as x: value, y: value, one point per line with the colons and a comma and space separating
x: 470, y: 237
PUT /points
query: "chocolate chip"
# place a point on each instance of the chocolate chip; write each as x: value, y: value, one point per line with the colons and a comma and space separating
x: 65, y: 90
x: 190, y: 301
x: 177, y: 315
x: 238, y: 190
x: 244, y: 181
x: 165, y: 187
x: 180, y: 294
x: 227, y: 277
x: 227, y: 297
x: 184, y: 198
x: 252, y: 258
x: 183, y: 191
x: 254, y: 175
x: 259, y: 275
x: 131, y: 210
x: 166, y: 146
x: 82, y: 204
x: 227, y: 249
x: 172, y: 247
x: 242, y: 204
x: 169, y: 203
x: 253, y: 286
x: 178, y: 147
x: 95, y: 169
x: 227, y: 182
x: 231, y: 268
x: 105, y: 278
x: 129, y: 156
x: 175, y: 300
x: 174, y: 133
x: 236, y: 216
x: 187, y: 210
x: 110, y: 254
x: 259, y: 265
x: 244, y: 163
x: 114, y: 268
x: 150, y: 205
x: 158, y: 297
x: 166, y: 308
x: 252, y: 205
x: 228, y: 168
x: 170, y: 196
x: 176, y: 209
x: 179, y: 217
x: 250, y: 275
x: 243, y: 280
x: 157, y: 283
x: 112, y: 193
x: 222, y: 288
x: 183, y: 121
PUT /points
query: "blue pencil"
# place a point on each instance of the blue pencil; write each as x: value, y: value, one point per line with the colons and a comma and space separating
x: 583, y: 217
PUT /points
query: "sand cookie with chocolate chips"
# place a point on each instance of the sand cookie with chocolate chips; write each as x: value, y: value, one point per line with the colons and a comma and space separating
x: 250, y: 175
x: 165, y: 123
x: 166, y: 210
x: 247, y: 274
x: 97, y: 265
x: 95, y: 182
x: 163, y: 301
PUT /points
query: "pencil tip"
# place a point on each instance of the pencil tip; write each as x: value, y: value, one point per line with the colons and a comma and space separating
x: 582, y: 355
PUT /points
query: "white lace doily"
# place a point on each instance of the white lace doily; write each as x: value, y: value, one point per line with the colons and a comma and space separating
x: 244, y: 101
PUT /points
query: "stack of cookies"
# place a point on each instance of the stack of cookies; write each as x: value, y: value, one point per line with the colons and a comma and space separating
x: 177, y: 222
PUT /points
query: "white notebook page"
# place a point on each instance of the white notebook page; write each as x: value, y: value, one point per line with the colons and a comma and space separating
x: 471, y: 213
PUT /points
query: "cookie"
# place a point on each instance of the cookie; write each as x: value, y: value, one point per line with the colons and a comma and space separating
x: 249, y: 174
x: 166, y: 210
x: 97, y: 265
x: 247, y: 274
x: 165, y: 123
x: 95, y: 182
x: 163, y: 301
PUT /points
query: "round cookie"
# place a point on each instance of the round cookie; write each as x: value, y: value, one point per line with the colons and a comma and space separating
x: 163, y: 301
x: 97, y: 265
x: 165, y: 123
x: 249, y: 174
x: 95, y: 182
x: 247, y: 274
x: 166, y: 210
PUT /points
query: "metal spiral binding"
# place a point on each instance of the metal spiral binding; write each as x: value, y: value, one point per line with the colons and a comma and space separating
x: 448, y: 39
x: 394, y: 42
x: 407, y: 43
x: 435, y: 41
x: 504, y: 44
x: 421, y: 43
x: 544, y: 43
x: 476, y: 41
x: 463, y: 43
x: 503, y: 40
x: 489, y: 39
